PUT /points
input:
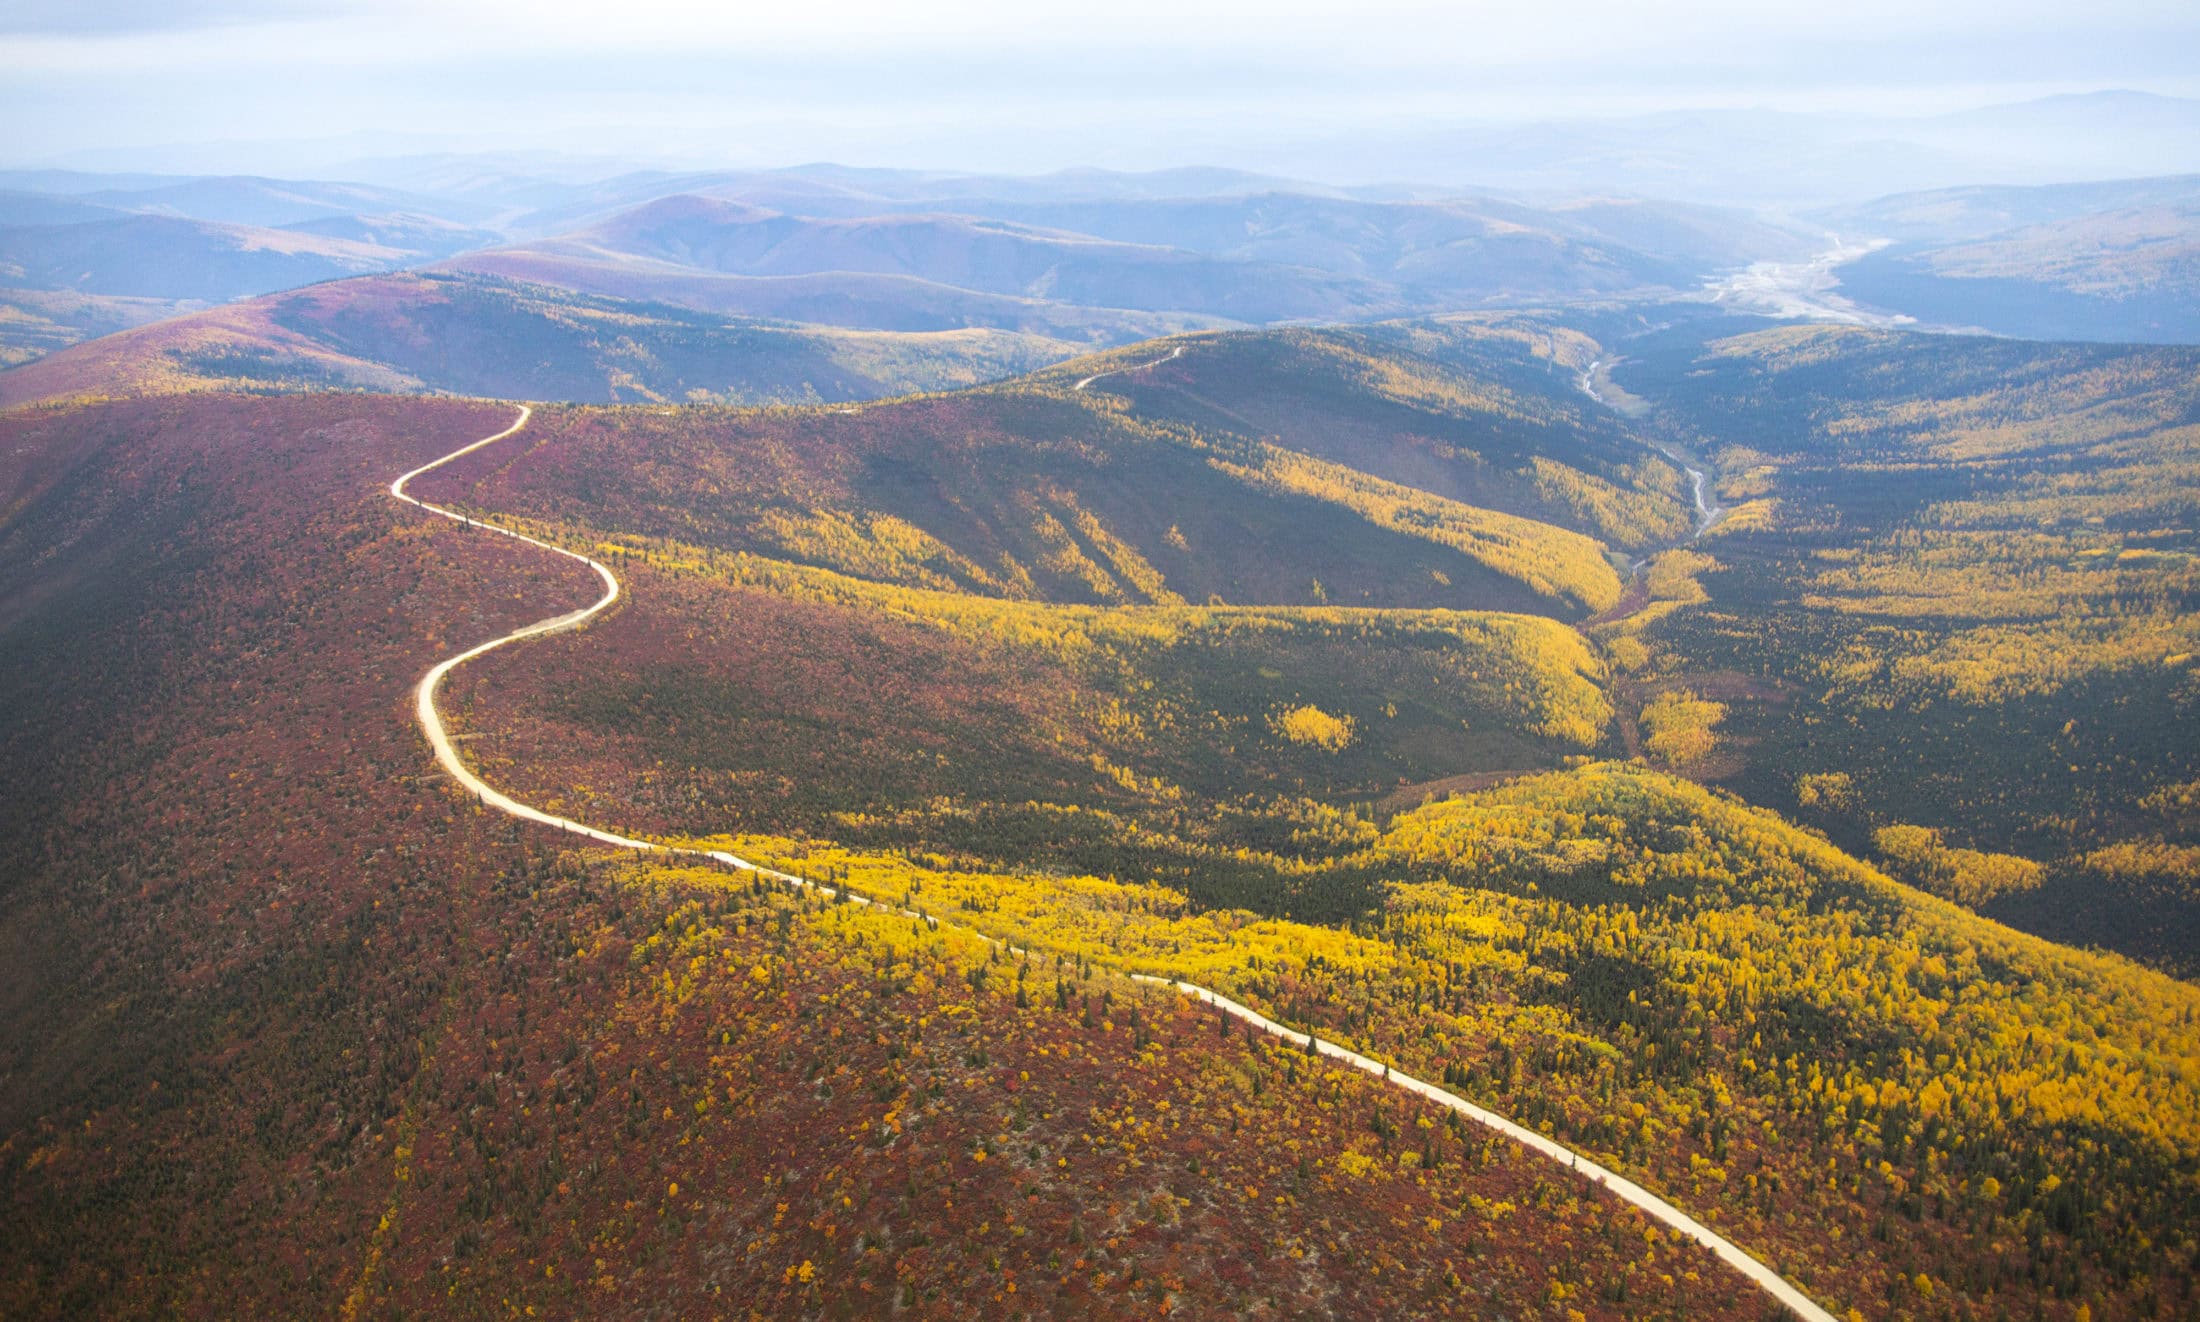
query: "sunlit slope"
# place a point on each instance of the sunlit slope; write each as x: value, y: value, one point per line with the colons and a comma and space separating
x: 1204, y: 744
x: 1034, y: 490
x: 1484, y: 410
x: 1817, y: 394
x: 1906, y: 1108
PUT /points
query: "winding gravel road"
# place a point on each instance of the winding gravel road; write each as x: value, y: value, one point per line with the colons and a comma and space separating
x: 447, y: 756
x: 1169, y: 357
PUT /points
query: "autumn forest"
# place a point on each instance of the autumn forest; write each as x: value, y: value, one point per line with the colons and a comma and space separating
x: 1822, y: 856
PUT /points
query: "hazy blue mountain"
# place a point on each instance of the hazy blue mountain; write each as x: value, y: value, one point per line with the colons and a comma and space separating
x: 1417, y: 242
x: 250, y: 200
x: 422, y: 237
x: 1251, y: 258
x: 715, y: 237
x: 2126, y: 275
x: 68, y: 183
x: 23, y: 207
x: 1101, y: 256
x: 1946, y: 215
x: 173, y: 258
x: 838, y: 298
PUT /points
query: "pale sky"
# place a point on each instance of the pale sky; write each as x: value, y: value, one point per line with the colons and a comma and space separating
x: 980, y: 84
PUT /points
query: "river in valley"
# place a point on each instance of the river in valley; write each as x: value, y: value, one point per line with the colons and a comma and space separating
x: 1708, y: 509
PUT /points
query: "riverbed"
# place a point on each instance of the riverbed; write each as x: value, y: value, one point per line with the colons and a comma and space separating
x: 1708, y: 509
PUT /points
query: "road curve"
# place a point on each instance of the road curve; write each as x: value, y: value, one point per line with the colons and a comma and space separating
x: 446, y: 755
x: 1171, y: 356
x: 1617, y: 1185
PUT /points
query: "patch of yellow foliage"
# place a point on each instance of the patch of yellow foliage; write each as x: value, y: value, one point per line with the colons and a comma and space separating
x: 1677, y: 727
x: 1312, y: 726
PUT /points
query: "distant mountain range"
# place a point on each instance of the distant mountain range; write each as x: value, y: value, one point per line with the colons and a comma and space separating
x: 1951, y: 215
x: 154, y: 256
x: 87, y: 255
x: 1086, y: 256
x: 1091, y: 258
x: 1743, y: 156
x: 708, y: 237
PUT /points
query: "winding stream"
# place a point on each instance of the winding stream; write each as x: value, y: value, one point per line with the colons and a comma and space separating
x: 1708, y: 509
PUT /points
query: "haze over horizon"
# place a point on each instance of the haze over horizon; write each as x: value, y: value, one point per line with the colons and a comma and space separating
x: 1409, y: 92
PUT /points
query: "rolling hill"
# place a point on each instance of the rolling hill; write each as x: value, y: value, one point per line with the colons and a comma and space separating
x: 70, y: 275
x: 843, y: 299
x: 28, y: 207
x: 84, y: 256
x: 1091, y: 257
x: 480, y: 336
x: 37, y: 322
x: 1477, y: 409
x: 1460, y: 249
x: 541, y: 206
x: 413, y: 1063
x: 265, y: 203
x: 1954, y: 215
x: 169, y: 257
x: 419, y: 236
x: 1035, y: 489
x: 1280, y: 660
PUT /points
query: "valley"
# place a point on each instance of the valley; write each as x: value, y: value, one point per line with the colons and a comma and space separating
x: 975, y: 840
x: 837, y: 743
x: 1595, y: 382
